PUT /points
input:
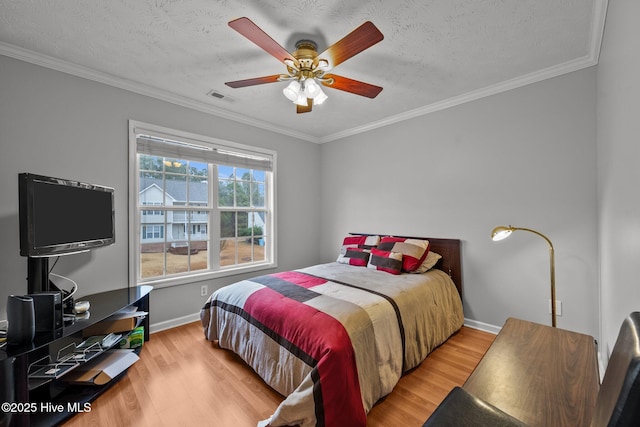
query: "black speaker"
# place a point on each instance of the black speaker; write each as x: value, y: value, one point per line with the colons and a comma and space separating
x: 48, y: 311
x: 21, y: 319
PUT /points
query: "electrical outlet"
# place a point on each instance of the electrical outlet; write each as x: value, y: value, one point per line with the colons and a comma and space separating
x: 203, y: 291
x: 558, y: 307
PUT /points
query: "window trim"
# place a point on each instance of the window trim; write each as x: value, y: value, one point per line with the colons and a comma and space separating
x: 135, y: 227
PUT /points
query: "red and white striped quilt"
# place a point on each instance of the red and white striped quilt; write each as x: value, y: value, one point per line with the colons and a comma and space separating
x: 333, y: 338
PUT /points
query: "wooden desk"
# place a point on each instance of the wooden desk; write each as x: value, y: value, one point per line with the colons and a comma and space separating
x: 541, y: 375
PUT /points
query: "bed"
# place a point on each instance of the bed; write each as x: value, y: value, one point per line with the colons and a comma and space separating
x: 335, y: 338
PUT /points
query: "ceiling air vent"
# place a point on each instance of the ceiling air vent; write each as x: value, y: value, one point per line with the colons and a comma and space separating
x: 218, y: 95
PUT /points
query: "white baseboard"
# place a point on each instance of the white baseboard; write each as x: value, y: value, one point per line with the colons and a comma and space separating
x: 172, y: 323
x: 486, y: 327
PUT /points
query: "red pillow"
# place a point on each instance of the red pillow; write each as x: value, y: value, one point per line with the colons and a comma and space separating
x: 413, y: 251
x: 363, y: 242
x: 390, y: 262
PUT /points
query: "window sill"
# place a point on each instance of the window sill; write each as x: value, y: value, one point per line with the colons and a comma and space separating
x: 209, y: 275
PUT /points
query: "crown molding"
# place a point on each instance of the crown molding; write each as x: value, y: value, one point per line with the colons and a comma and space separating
x: 141, y: 89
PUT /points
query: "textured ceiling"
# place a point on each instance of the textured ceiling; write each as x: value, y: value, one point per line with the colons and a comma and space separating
x: 435, y: 53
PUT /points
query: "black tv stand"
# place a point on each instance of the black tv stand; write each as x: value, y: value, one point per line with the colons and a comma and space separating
x: 38, y: 281
x: 50, y: 402
x: 38, y: 275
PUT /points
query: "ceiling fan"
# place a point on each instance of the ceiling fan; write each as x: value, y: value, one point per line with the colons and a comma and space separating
x: 306, y: 68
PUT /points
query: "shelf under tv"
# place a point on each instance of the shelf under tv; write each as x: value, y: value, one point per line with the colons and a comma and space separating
x: 49, y: 401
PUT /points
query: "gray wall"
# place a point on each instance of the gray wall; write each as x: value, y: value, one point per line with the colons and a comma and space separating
x: 526, y: 157
x: 56, y: 124
x: 618, y: 172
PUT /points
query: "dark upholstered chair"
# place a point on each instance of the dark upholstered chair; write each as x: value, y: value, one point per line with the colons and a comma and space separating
x: 618, y: 402
x: 462, y: 409
x: 617, y: 405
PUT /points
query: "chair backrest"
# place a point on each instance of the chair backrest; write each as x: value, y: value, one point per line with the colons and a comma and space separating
x: 618, y: 402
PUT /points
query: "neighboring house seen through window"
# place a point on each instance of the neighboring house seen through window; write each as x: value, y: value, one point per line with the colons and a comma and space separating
x: 202, y: 206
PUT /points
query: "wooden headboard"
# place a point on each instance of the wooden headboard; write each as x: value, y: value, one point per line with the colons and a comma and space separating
x: 450, y: 249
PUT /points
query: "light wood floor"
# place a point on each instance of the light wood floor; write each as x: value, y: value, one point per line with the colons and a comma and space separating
x: 184, y: 380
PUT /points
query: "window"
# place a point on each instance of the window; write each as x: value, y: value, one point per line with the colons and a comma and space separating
x: 152, y: 232
x: 199, y: 206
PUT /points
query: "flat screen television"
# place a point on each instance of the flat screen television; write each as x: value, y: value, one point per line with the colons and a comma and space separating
x: 60, y: 217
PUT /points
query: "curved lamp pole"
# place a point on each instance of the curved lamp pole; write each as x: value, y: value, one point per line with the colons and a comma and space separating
x: 501, y: 232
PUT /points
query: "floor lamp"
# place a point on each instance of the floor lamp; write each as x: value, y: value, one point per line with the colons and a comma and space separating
x: 501, y: 232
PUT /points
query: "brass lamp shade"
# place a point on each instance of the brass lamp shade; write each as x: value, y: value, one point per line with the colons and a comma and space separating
x: 501, y: 232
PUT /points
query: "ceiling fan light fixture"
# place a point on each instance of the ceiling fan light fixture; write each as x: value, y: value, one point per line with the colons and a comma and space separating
x: 291, y: 64
x: 292, y: 90
x: 311, y: 88
x: 323, y: 64
x: 301, y: 99
x: 320, y: 97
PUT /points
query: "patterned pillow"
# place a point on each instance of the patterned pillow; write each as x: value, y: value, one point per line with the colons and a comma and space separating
x: 414, y: 251
x: 362, y: 242
x: 428, y: 263
x: 355, y: 256
x: 390, y: 262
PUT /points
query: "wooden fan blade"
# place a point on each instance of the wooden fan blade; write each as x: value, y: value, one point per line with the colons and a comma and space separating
x: 363, y: 37
x: 303, y: 108
x: 353, y: 86
x: 247, y: 28
x: 254, y: 81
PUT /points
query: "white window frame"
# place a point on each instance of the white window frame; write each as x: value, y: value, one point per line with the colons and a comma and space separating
x: 215, y: 270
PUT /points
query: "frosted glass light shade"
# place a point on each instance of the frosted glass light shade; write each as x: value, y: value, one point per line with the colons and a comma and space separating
x: 311, y: 88
x: 301, y: 99
x: 320, y: 97
x: 292, y: 90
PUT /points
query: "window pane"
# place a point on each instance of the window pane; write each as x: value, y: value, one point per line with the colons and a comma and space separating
x: 175, y: 187
x: 227, y: 252
x: 227, y: 224
x: 198, y: 169
x: 150, y: 185
x: 255, y: 225
x: 243, y: 194
x: 225, y: 171
x: 245, y: 251
x: 225, y: 193
x: 152, y: 263
x: 178, y: 258
x: 257, y: 195
x: 243, y: 224
x: 175, y: 166
x: 244, y: 174
x: 198, y: 191
x: 199, y: 225
x: 152, y: 260
x: 258, y: 249
x: 199, y: 258
x: 177, y: 226
x: 258, y: 176
x: 150, y: 163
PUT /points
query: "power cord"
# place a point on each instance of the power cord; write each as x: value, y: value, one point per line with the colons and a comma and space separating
x: 67, y: 294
